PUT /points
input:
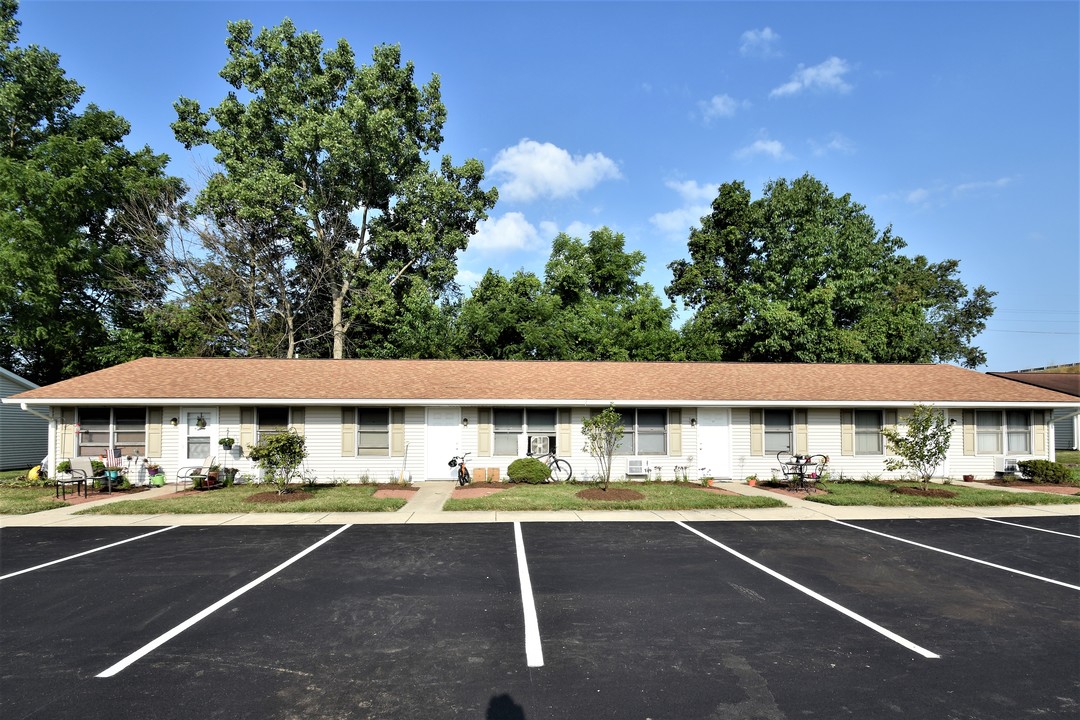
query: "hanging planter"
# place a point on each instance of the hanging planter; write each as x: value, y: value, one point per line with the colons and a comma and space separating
x: 200, y: 422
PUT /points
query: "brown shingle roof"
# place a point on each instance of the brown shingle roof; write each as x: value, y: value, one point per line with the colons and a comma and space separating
x: 1059, y: 382
x: 251, y: 379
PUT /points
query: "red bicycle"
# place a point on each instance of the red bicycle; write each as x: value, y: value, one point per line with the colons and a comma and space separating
x: 463, y: 476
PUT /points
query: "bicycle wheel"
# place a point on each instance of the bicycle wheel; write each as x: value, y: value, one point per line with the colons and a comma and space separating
x: 463, y: 475
x: 561, y: 471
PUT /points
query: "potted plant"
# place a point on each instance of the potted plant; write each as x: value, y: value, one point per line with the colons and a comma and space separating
x: 156, y: 474
x: 227, y: 442
x: 212, y: 475
x: 751, y: 480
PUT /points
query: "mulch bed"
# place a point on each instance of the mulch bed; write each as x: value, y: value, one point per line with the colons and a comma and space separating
x: 718, y: 491
x: 781, y: 489
x: 478, y: 489
x: 93, y: 495
x: 404, y: 493
x: 928, y: 492
x: 1041, y: 487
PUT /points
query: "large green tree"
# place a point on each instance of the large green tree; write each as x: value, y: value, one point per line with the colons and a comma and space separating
x: 328, y: 160
x: 801, y: 275
x: 75, y: 285
x: 590, y: 305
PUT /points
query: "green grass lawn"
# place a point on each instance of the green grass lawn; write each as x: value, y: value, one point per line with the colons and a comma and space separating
x: 875, y: 493
x: 25, y: 500
x: 327, y: 498
x: 562, y: 496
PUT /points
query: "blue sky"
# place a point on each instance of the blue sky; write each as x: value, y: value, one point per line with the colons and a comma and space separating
x: 956, y: 123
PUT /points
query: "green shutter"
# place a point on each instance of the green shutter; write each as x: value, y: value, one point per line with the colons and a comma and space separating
x: 297, y: 417
x: 153, y: 432
x: 483, y: 432
x: 397, y: 432
x: 674, y: 429
x: 969, y: 432
x: 801, y: 444
x: 847, y: 432
x: 348, y: 432
x: 757, y: 433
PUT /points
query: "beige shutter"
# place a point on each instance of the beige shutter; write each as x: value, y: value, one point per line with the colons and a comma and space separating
x: 483, y: 432
x: 801, y: 445
x: 1038, y: 418
x: 969, y: 432
x: 348, y: 432
x: 674, y: 432
x: 67, y: 433
x: 565, y: 435
x: 757, y: 433
x: 247, y: 428
x: 847, y: 432
x: 153, y: 432
x: 888, y: 419
x: 397, y: 432
x: 297, y: 417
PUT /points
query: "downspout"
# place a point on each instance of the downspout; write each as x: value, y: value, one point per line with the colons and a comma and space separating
x: 49, y: 459
x: 30, y: 410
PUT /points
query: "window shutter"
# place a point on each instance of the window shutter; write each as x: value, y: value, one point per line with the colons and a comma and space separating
x: 67, y: 433
x: 888, y: 419
x: 565, y: 435
x: 397, y: 432
x: 247, y: 427
x: 1038, y: 419
x: 674, y: 430
x: 483, y: 432
x: 348, y: 432
x: 757, y: 433
x: 153, y: 432
x: 969, y: 432
x: 297, y: 416
x: 801, y: 445
x: 847, y: 432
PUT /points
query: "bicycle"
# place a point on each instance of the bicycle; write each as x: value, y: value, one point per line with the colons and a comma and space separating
x: 560, y: 469
x: 463, y: 476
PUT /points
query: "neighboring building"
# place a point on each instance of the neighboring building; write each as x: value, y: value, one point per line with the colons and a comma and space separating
x: 381, y: 418
x: 1064, y: 379
x: 24, y: 436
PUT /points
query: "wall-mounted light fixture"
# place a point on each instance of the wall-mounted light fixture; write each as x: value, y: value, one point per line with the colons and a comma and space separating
x: 173, y: 421
x: 465, y: 422
x: 693, y: 422
x: 952, y: 422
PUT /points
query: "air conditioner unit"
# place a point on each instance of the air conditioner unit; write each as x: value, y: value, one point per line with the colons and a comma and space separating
x: 637, y: 466
x: 1006, y: 465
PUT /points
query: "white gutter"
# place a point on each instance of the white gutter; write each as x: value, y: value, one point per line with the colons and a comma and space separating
x: 43, y: 416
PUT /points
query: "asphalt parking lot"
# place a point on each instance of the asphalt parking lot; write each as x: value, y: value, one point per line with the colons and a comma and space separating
x: 943, y: 618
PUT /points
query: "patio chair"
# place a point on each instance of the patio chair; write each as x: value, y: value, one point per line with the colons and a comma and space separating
x: 84, y: 466
x: 185, y: 475
x: 74, y: 476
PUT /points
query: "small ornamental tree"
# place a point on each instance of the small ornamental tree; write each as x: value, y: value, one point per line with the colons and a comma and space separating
x: 603, y: 432
x: 280, y: 457
x: 923, y: 447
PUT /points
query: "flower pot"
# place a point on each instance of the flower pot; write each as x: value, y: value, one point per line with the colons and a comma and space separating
x: 157, y: 480
x: 751, y: 483
x: 969, y: 478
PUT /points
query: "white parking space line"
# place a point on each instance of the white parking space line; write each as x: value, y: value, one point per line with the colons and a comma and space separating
x: 153, y: 645
x: 962, y: 557
x: 88, y: 552
x: 1029, y: 527
x: 817, y: 596
x: 534, y: 653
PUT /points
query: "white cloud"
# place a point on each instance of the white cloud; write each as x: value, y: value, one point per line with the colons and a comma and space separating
x: 917, y: 196
x: 941, y: 194
x: 828, y: 76
x: 982, y: 185
x: 764, y: 146
x: 836, y: 143
x: 534, y: 170
x: 508, y: 233
x: 720, y: 106
x: 691, y: 190
x: 697, y: 202
x: 467, y: 279
x: 759, y: 43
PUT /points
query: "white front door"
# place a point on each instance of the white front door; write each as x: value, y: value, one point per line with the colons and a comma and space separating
x: 198, y: 435
x: 443, y: 441
x: 714, y: 442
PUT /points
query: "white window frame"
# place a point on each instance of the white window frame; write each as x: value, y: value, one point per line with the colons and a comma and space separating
x: 369, y: 430
x: 631, y: 441
x: 866, y: 432
x: 113, y: 431
x: 260, y: 433
x: 1003, y: 433
x: 773, y: 449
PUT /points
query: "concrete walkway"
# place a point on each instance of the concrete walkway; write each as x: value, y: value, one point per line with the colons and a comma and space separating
x: 426, y: 507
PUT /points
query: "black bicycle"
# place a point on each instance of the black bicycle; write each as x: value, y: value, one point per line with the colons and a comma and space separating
x: 463, y: 476
x: 560, y: 469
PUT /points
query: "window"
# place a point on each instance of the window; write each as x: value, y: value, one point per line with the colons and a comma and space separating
x: 272, y: 421
x: 988, y: 432
x: 644, y: 432
x: 777, y: 431
x: 123, y: 428
x: 540, y: 425
x: 373, y: 431
x: 508, y: 427
x: 1018, y: 431
x: 868, y: 432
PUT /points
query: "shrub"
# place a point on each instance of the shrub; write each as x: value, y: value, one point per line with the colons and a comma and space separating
x: 528, y: 470
x: 64, y: 467
x: 1045, y: 471
x: 280, y: 457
